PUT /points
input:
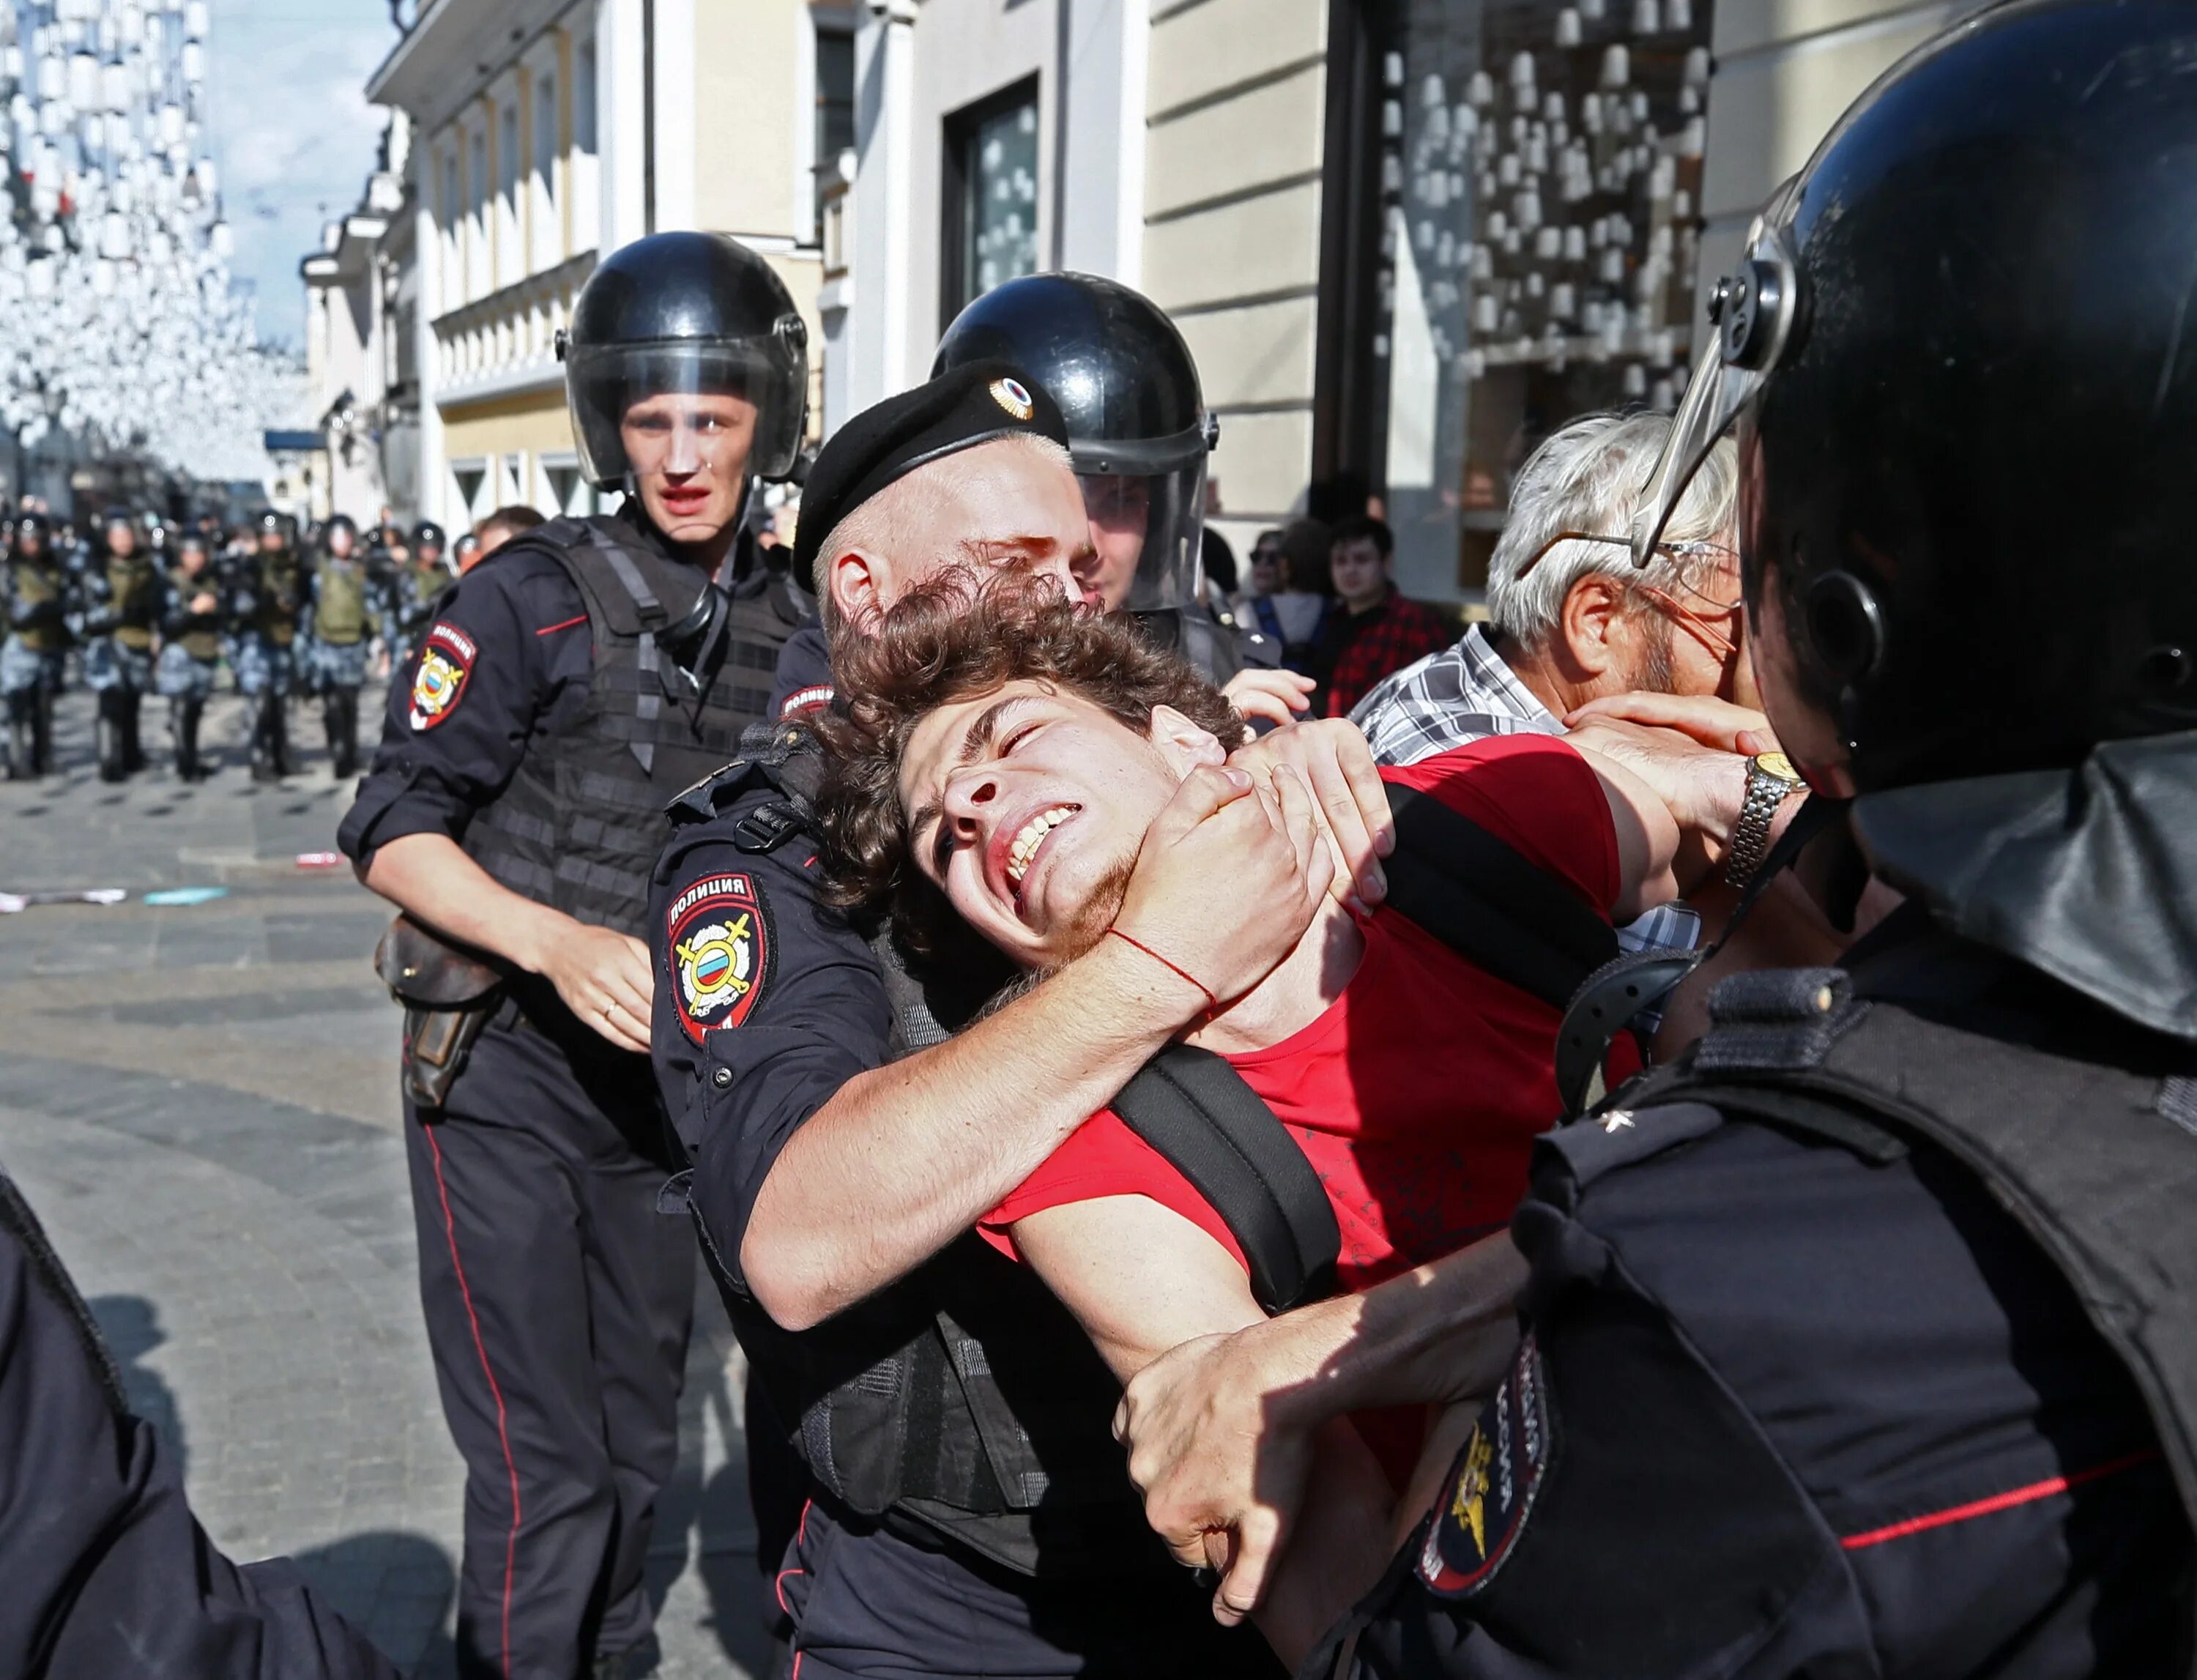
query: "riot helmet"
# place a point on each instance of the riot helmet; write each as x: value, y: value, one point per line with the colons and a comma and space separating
x: 1137, y: 428
x: 269, y: 525
x: 340, y: 525
x: 1956, y: 355
x: 35, y: 529
x: 119, y: 531
x: 428, y: 535
x: 684, y: 314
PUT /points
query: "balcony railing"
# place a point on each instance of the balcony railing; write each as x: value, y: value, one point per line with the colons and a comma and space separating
x: 508, y: 338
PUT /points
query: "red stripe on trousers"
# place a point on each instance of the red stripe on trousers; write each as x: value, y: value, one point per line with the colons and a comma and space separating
x: 1997, y: 1501
x: 502, y: 1432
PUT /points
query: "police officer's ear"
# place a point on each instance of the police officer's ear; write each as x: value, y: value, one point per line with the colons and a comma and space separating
x: 862, y: 583
x: 1184, y: 745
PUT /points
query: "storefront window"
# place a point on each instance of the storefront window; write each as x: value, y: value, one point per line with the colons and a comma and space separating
x: 991, y: 196
x: 1531, y: 239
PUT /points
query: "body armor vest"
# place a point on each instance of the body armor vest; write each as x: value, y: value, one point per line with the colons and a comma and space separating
x: 2083, y: 1125
x: 198, y: 634
x: 275, y: 588
x: 133, y: 586
x: 581, y: 822
x: 339, y: 603
x: 419, y: 588
x: 38, y: 590
x: 965, y: 1397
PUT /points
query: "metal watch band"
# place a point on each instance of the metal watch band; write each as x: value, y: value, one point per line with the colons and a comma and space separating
x: 1750, y: 835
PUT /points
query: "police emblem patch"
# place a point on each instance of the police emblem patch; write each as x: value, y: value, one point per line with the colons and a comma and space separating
x: 1012, y: 396
x: 446, y: 659
x: 1496, y: 1479
x: 720, y: 953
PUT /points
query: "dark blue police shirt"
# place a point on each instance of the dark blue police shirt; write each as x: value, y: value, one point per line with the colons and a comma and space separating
x: 804, y: 678
x: 515, y: 630
x: 739, y: 1071
x: 107, y: 1571
x: 1785, y: 1409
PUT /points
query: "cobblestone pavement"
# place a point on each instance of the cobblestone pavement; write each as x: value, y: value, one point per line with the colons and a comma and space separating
x: 201, y: 1102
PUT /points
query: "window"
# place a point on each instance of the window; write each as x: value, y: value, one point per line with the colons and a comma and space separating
x: 990, y: 196
x: 587, y: 205
x: 510, y: 262
x: 835, y: 101
x: 1511, y: 193
x: 547, y: 229
x: 478, y: 283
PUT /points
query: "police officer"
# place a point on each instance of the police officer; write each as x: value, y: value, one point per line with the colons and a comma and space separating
x: 1861, y: 1342
x: 108, y: 1572
x: 1140, y: 434
x: 971, y: 1514
x: 39, y: 599
x: 270, y: 601
x: 419, y: 578
x: 121, y: 605
x: 193, y: 621
x: 557, y: 701
x: 342, y: 605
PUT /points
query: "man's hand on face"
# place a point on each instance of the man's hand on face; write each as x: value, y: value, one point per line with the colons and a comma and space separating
x: 1275, y: 696
x: 1230, y: 875
x: 1709, y: 720
x: 1223, y: 1470
x: 1331, y: 757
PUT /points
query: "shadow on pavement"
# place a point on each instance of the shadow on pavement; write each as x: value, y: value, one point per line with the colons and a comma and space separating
x: 396, y: 1588
x: 130, y: 1325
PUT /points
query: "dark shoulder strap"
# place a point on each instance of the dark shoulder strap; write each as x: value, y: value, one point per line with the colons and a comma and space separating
x: 1213, y: 1129
x: 1487, y: 903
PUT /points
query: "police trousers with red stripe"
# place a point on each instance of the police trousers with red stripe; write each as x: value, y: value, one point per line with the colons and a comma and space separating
x: 558, y: 1305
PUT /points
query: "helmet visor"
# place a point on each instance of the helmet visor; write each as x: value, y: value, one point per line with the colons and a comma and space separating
x: 736, y: 404
x: 1753, y: 320
x: 1147, y: 529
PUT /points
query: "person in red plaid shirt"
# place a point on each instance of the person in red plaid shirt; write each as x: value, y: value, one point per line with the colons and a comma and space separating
x: 1378, y: 631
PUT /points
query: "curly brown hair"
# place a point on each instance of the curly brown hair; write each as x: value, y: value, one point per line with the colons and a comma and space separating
x: 953, y: 638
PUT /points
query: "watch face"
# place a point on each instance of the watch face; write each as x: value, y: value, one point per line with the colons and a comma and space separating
x: 1776, y: 764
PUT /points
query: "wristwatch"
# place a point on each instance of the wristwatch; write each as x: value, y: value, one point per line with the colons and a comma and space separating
x: 1770, y: 781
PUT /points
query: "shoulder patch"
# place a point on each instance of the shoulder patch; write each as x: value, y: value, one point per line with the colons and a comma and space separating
x: 813, y: 698
x: 719, y: 947
x: 446, y: 660
x: 1496, y: 1481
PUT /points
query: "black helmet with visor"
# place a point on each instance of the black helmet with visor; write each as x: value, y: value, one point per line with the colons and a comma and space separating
x: 684, y: 314
x: 1961, y: 356
x: 1138, y: 431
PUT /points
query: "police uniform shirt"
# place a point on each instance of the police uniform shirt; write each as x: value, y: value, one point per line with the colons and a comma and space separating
x: 766, y: 1002
x: 802, y: 681
x: 503, y: 665
x: 1787, y: 1407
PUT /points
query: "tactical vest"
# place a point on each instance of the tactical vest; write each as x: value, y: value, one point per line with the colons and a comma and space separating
x: 275, y: 589
x: 39, y: 589
x: 580, y: 824
x: 419, y: 588
x: 2082, y: 1124
x: 339, y: 603
x: 133, y: 586
x: 965, y: 1397
x: 198, y: 634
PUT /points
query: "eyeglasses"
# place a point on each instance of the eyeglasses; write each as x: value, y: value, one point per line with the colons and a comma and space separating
x: 1691, y: 550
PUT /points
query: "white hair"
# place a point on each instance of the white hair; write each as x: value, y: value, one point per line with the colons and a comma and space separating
x: 1588, y: 478
x: 894, y: 519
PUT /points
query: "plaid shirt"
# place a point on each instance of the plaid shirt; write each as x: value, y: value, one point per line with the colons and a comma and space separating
x: 1464, y: 692
x: 1373, y: 644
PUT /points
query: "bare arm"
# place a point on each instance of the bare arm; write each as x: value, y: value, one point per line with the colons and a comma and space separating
x: 603, y: 976
x: 905, y: 1158
x: 1220, y: 1430
x: 1141, y: 1279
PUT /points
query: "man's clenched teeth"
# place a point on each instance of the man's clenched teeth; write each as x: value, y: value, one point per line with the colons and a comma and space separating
x: 1031, y: 836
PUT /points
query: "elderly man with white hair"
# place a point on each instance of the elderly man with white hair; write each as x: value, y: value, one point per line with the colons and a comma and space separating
x: 1571, y: 620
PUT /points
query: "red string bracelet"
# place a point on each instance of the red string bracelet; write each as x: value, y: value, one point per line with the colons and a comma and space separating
x: 1212, y: 1002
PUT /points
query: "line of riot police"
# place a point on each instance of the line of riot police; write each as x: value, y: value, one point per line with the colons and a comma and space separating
x: 133, y: 605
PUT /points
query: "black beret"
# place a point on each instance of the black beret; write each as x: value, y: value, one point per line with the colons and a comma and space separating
x: 972, y: 404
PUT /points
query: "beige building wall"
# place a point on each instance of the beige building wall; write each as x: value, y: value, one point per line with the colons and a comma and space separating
x: 1235, y: 133
x: 1785, y: 71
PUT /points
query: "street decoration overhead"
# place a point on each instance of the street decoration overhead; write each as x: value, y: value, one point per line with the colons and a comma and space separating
x: 137, y: 341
